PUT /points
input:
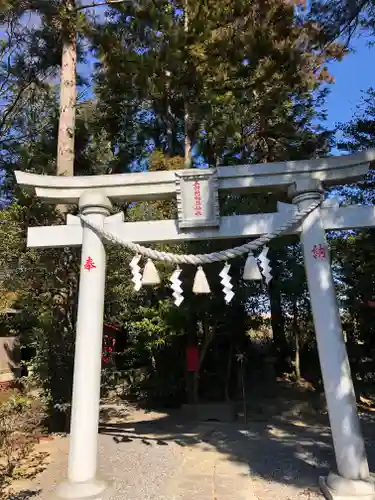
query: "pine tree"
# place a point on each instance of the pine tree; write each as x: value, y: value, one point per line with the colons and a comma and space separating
x: 248, y: 72
x: 343, y: 19
x: 355, y: 252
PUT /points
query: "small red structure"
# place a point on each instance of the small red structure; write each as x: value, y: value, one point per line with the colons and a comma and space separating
x: 192, y: 359
x: 109, y: 341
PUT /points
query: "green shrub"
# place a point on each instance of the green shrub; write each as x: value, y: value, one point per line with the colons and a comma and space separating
x: 20, y: 419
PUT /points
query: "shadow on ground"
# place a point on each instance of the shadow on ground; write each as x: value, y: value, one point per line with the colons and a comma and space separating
x: 281, y: 449
x: 23, y: 495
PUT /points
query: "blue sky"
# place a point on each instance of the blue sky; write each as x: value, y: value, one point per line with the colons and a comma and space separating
x: 356, y: 73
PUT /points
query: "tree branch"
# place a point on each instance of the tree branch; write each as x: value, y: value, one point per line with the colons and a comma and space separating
x: 101, y: 4
x: 346, y: 26
x: 12, y: 106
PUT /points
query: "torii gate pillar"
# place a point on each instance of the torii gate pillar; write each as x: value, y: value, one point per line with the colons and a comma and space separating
x: 82, y: 482
x: 353, y: 478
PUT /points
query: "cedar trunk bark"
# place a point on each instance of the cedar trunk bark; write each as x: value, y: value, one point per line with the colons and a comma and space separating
x: 188, y: 142
x: 229, y: 370
x: 296, y: 332
x: 277, y: 316
x: 68, y: 97
x: 187, y: 117
x: 209, y: 334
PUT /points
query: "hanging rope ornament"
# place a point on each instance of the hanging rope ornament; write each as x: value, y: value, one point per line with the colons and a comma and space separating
x: 150, y: 274
x: 226, y: 282
x: 265, y: 265
x: 176, y: 287
x: 136, y: 272
x: 251, y: 271
x: 201, y: 285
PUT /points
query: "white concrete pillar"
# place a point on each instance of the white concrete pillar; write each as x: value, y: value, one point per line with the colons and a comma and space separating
x: 82, y: 479
x: 352, y: 467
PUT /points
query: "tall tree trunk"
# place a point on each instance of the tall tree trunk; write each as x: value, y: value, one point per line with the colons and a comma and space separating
x: 187, y: 117
x: 229, y: 369
x: 68, y: 97
x: 296, y: 332
x: 208, y: 335
x: 277, y: 317
x: 195, y: 388
x: 191, y: 334
x: 188, y: 142
x: 168, y: 112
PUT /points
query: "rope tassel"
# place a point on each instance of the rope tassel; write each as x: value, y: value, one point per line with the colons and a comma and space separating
x: 150, y: 274
x: 251, y: 270
x: 201, y: 285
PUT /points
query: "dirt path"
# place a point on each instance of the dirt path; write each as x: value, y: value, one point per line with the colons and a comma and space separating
x: 217, y: 469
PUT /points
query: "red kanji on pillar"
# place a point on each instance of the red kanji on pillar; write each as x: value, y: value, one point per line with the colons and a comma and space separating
x: 192, y: 359
x: 89, y: 264
x: 319, y: 252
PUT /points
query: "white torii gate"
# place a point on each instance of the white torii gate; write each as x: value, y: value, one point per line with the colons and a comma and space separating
x: 304, y: 182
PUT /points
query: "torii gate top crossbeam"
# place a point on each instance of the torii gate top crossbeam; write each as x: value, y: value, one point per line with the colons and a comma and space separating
x: 162, y: 185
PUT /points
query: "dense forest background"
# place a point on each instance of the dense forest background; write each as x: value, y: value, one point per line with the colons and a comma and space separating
x: 124, y: 85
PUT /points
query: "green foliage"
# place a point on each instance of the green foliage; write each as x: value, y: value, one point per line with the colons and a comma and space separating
x: 251, y: 91
x: 343, y: 19
x: 241, y: 82
x: 355, y: 253
x: 20, y: 420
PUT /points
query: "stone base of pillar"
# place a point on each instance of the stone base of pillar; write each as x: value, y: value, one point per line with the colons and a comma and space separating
x: 335, y: 487
x: 89, y: 490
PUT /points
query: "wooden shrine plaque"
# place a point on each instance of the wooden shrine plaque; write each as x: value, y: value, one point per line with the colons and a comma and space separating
x: 197, y: 198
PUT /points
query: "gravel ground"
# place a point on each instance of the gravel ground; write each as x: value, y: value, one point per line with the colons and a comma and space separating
x: 139, y: 471
x: 150, y: 456
x: 135, y: 472
x: 136, y: 464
